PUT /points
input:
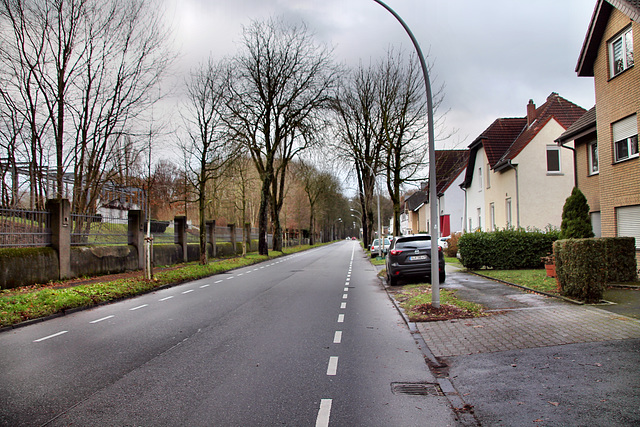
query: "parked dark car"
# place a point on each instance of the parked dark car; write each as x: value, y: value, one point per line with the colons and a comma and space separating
x: 410, y: 257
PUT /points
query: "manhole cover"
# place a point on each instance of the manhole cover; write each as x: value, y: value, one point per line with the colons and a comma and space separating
x: 417, y: 389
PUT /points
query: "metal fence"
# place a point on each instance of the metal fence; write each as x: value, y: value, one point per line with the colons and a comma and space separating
x: 24, y: 228
x: 98, y: 230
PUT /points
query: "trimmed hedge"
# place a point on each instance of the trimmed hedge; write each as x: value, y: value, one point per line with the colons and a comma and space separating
x: 581, y: 268
x: 585, y: 266
x: 509, y: 249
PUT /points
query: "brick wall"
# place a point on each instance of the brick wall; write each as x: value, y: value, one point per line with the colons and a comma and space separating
x: 589, y: 185
x: 616, y: 99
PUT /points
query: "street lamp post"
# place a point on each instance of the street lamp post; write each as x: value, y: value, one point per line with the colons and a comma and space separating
x: 435, y: 284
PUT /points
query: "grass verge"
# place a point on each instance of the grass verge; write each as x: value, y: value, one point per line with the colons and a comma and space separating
x: 532, y: 279
x: 33, y: 302
x: 415, y: 300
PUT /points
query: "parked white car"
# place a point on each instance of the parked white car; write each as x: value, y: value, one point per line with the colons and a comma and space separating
x: 376, y: 250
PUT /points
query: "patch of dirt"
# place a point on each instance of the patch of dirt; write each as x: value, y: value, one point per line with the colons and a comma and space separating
x: 428, y: 313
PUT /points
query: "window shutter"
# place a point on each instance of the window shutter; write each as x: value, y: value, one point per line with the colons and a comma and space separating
x: 625, y: 128
x: 629, y: 222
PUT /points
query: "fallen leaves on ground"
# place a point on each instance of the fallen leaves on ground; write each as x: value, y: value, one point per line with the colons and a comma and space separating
x: 428, y: 313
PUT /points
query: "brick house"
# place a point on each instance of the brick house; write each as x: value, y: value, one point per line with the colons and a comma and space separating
x: 517, y: 175
x: 607, y: 159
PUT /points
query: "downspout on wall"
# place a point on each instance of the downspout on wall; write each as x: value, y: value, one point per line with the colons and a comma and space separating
x: 575, y: 163
x: 513, y: 166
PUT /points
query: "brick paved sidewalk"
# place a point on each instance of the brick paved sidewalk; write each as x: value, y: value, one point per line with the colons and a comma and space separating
x: 526, y: 328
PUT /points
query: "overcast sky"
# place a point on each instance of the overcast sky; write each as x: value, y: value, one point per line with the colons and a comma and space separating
x: 492, y: 56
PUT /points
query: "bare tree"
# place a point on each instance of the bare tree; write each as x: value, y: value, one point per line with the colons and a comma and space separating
x: 403, y: 124
x: 316, y: 184
x: 282, y: 80
x: 206, y: 146
x: 357, y: 127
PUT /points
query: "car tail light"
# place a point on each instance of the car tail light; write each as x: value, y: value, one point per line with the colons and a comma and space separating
x: 395, y: 252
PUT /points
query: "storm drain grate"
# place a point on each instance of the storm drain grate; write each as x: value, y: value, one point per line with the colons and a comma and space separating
x: 417, y: 389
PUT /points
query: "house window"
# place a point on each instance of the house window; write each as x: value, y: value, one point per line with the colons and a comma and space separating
x: 593, y: 158
x: 492, y: 211
x: 508, y: 212
x: 628, y: 219
x: 553, y: 159
x: 621, y: 52
x: 479, y: 219
x: 488, y: 176
x: 480, y: 178
x: 625, y: 138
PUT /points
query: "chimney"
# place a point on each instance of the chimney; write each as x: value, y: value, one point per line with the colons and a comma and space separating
x: 531, y: 112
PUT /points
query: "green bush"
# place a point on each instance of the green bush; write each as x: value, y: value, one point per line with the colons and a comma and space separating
x: 576, y: 223
x: 506, y: 249
x: 581, y: 268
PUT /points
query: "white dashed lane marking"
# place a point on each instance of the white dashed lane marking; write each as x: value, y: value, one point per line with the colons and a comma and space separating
x: 51, y: 336
x: 102, y: 319
x: 332, y: 369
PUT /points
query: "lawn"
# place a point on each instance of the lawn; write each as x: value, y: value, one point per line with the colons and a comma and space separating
x: 532, y: 279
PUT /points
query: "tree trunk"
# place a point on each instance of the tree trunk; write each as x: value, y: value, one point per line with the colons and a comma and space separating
x: 263, y: 217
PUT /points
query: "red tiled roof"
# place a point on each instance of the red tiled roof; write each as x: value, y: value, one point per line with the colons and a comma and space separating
x: 498, y: 137
x: 507, y: 137
x: 449, y: 164
x: 556, y: 107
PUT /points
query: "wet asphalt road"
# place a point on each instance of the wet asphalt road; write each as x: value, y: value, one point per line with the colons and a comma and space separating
x: 307, y: 339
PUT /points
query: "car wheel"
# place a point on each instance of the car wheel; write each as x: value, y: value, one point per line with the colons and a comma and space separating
x: 442, y: 277
x: 393, y: 281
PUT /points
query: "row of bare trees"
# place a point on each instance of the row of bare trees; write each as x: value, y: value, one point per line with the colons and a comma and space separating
x: 380, y: 129
x: 78, y: 79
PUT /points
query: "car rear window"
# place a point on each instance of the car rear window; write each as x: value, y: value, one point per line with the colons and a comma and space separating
x: 414, y: 243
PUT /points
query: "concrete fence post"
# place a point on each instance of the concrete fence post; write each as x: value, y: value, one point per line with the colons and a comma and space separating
x: 247, y: 232
x: 232, y: 232
x: 211, y: 235
x: 136, y: 234
x: 60, y: 216
x: 180, y: 232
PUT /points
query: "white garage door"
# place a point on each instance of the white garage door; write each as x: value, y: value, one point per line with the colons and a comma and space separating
x: 629, y: 222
